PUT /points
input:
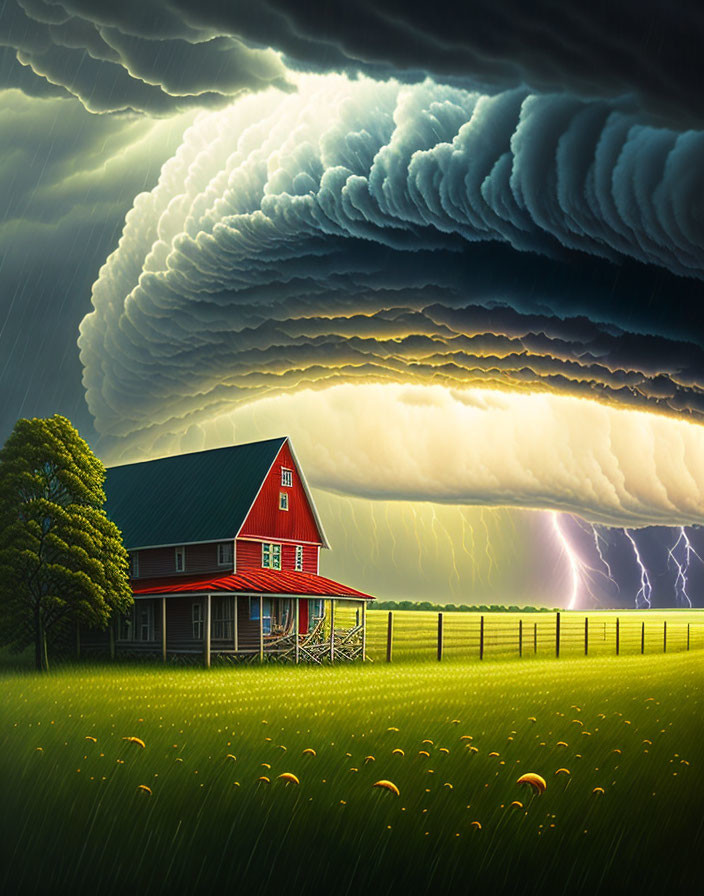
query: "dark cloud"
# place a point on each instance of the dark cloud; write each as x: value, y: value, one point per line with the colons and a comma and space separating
x: 648, y: 53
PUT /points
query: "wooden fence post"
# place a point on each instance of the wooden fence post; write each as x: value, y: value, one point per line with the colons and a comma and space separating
x: 586, y: 636
x: 390, y: 637
x: 440, y: 644
x: 664, y: 636
x: 481, y: 638
x: 642, y: 637
x: 520, y: 637
x: 618, y: 635
x: 557, y: 635
x: 535, y: 637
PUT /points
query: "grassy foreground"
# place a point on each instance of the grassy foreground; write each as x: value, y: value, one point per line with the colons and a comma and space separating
x: 76, y: 817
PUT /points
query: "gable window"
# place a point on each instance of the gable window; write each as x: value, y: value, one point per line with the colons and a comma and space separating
x: 223, y: 616
x: 286, y: 477
x: 271, y: 555
x: 299, y: 558
x: 134, y: 564
x: 197, y: 620
x: 180, y: 559
x: 283, y: 501
x: 225, y: 553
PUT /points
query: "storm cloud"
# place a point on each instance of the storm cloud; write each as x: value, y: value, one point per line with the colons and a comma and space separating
x: 340, y: 234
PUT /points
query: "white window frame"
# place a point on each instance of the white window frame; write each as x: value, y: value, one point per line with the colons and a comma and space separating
x: 197, y: 620
x: 180, y: 552
x: 271, y: 555
x: 134, y: 564
x: 286, y: 477
x: 298, y: 562
x: 283, y: 500
x: 223, y: 558
x: 266, y: 612
x: 147, y: 607
x: 223, y: 618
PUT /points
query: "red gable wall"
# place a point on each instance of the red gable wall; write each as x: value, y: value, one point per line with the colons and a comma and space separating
x: 265, y: 520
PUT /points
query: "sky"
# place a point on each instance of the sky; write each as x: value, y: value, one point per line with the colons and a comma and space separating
x: 455, y: 251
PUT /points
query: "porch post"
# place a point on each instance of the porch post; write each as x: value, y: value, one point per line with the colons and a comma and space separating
x: 297, y: 628
x: 364, y: 630
x: 206, y: 655
x: 332, y: 630
x: 163, y: 629
x: 234, y: 624
x: 261, y: 629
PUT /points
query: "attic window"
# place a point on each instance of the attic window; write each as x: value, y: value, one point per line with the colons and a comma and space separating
x: 283, y: 500
x: 286, y: 477
x: 180, y: 559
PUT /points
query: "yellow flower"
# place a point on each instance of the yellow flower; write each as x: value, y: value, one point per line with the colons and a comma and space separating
x: 230, y: 756
x: 289, y: 778
x: 309, y: 751
x: 537, y: 782
x: 263, y: 779
x: 368, y: 759
x: 562, y: 771
x: 142, y: 788
x: 397, y: 752
x: 135, y: 740
x: 387, y: 785
x: 93, y: 740
x: 598, y: 791
x: 476, y: 825
x: 424, y: 753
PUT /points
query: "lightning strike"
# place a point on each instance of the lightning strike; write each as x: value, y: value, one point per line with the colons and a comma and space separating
x: 681, y: 594
x: 646, y: 589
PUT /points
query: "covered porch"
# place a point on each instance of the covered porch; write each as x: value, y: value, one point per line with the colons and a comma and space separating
x: 268, y: 614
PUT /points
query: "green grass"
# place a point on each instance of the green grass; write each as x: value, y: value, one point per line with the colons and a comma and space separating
x: 74, y: 821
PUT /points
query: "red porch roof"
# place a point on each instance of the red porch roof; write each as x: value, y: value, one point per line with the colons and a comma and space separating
x: 251, y: 581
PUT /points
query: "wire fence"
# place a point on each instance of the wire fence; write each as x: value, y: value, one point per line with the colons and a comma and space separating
x: 399, y: 634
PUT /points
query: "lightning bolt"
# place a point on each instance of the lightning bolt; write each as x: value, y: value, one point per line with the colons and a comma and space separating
x: 646, y: 589
x: 489, y: 554
x: 572, y: 559
x: 683, y: 568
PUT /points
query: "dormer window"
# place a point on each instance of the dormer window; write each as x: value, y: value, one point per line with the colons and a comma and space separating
x: 283, y: 500
x: 225, y: 553
x: 286, y: 477
x: 180, y: 559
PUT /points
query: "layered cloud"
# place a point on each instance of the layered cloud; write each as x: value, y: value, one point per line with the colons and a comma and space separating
x: 365, y: 233
x: 166, y: 54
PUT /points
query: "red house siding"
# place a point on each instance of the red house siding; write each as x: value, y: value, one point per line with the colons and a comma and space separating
x: 249, y: 556
x: 266, y: 521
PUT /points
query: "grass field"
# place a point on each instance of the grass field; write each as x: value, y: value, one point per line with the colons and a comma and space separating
x: 74, y: 818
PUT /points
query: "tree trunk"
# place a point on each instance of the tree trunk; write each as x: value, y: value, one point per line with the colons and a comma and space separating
x: 45, y: 653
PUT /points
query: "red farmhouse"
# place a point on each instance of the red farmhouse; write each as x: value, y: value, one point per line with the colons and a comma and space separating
x: 224, y: 552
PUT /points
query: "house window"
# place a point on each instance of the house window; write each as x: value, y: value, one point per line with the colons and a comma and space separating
x: 286, y: 477
x: 316, y: 609
x: 144, y: 628
x: 197, y: 620
x: 266, y: 612
x: 180, y: 559
x: 223, y: 618
x: 299, y: 558
x: 271, y: 555
x: 283, y: 501
x: 225, y: 553
x: 134, y: 564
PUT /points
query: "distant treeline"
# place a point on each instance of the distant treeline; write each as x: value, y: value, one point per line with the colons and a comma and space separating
x: 455, y: 608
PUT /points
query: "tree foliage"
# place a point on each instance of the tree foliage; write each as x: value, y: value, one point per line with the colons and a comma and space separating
x: 62, y: 560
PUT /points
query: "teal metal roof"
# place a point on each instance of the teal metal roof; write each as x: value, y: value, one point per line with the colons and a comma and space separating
x: 201, y: 496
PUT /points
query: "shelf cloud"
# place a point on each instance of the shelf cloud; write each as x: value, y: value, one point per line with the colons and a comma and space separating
x: 421, y: 235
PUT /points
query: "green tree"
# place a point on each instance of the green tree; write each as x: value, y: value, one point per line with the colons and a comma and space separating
x: 62, y: 560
